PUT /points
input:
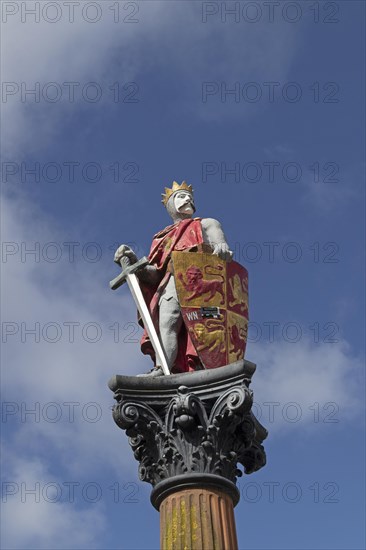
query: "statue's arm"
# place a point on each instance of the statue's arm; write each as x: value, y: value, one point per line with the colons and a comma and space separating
x: 214, y: 236
x: 149, y: 274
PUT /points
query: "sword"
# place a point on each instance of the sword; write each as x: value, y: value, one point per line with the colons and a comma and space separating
x: 129, y: 275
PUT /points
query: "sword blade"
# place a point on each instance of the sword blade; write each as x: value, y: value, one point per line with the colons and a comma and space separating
x: 136, y: 292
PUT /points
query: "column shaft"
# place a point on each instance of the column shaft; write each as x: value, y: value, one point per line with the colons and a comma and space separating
x: 197, y: 519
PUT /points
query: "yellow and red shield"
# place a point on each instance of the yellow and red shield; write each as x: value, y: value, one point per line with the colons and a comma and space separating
x: 213, y: 296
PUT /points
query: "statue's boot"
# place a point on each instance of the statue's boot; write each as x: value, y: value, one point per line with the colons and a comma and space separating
x: 156, y: 371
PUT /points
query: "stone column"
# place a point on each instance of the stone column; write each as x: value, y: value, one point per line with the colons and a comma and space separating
x: 197, y: 519
x: 189, y: 432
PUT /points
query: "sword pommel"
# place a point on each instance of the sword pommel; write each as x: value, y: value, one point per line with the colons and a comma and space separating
x: 128, y: 270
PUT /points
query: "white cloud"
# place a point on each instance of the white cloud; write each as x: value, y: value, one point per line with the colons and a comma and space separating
x: 169, y: 40
x: 38, y: 510
x: 37, y: 373
x: 44, y: 377
x: 304, y: 374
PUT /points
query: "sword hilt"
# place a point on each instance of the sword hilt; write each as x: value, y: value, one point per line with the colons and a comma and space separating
x: 124, y: 262
x: 127, y: 269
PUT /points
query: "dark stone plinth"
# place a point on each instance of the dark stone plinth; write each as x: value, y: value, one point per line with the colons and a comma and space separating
x: 191, y: 429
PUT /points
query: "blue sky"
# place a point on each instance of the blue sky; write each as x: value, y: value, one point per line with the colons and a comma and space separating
x: 275, y: 94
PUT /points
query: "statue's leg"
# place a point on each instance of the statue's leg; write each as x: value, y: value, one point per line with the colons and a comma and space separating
x: 170, y: 322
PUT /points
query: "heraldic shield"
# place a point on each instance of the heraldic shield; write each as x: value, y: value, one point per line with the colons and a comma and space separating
x: 213, y: 296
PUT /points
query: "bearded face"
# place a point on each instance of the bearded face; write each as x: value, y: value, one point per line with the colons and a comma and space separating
x: 181, y: 206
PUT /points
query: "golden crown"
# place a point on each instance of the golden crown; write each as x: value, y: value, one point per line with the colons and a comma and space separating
x: 175, y: 187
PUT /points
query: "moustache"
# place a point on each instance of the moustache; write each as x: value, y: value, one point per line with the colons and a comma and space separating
x: 187, y: 203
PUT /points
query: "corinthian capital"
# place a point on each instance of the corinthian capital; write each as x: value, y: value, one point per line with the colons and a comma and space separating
x: 191, y: 424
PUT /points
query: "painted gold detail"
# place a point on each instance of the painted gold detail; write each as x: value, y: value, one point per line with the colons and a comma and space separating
x: 175, y: 187
x: 199, y: 287
x: 239, y: 289
x: 213, y: 340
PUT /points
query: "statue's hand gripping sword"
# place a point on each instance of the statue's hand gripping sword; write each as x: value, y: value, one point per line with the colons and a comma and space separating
x: 129, y: 275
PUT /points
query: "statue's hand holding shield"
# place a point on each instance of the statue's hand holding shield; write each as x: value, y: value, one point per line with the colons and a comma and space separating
x: 222, y: 251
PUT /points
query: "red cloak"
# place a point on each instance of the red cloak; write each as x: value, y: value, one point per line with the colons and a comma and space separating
x: 184, y: 235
